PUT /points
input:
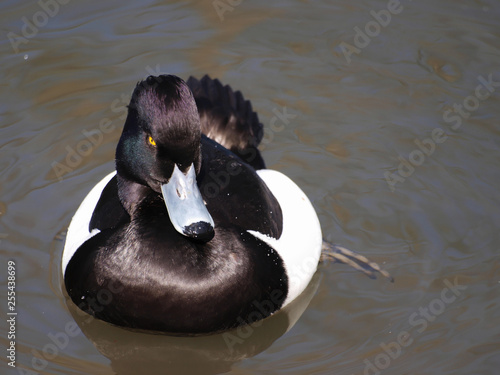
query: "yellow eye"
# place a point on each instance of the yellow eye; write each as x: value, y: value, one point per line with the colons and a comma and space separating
x: 151, y: 141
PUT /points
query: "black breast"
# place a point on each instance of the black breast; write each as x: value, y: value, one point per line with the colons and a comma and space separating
x: 146, y: 275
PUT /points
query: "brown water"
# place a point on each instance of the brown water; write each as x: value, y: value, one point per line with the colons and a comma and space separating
x: 358, y: 108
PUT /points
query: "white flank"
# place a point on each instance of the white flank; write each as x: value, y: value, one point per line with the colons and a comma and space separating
x: 300, y: 243
x: 78, y: 230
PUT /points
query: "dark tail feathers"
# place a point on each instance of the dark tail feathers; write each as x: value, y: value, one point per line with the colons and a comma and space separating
x: 227, y: 118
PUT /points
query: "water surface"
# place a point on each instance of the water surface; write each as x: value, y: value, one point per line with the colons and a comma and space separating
x: 393, y: 141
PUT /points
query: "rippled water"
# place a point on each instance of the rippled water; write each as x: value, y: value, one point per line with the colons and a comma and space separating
x: 392, y: 131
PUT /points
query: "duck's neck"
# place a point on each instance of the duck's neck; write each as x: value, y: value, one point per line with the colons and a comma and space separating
x: 131, y: 193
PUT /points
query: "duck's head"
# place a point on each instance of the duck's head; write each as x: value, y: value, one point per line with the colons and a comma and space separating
x: 159, y: 149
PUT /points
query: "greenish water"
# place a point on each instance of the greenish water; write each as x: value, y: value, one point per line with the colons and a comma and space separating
x: 392, y: 132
